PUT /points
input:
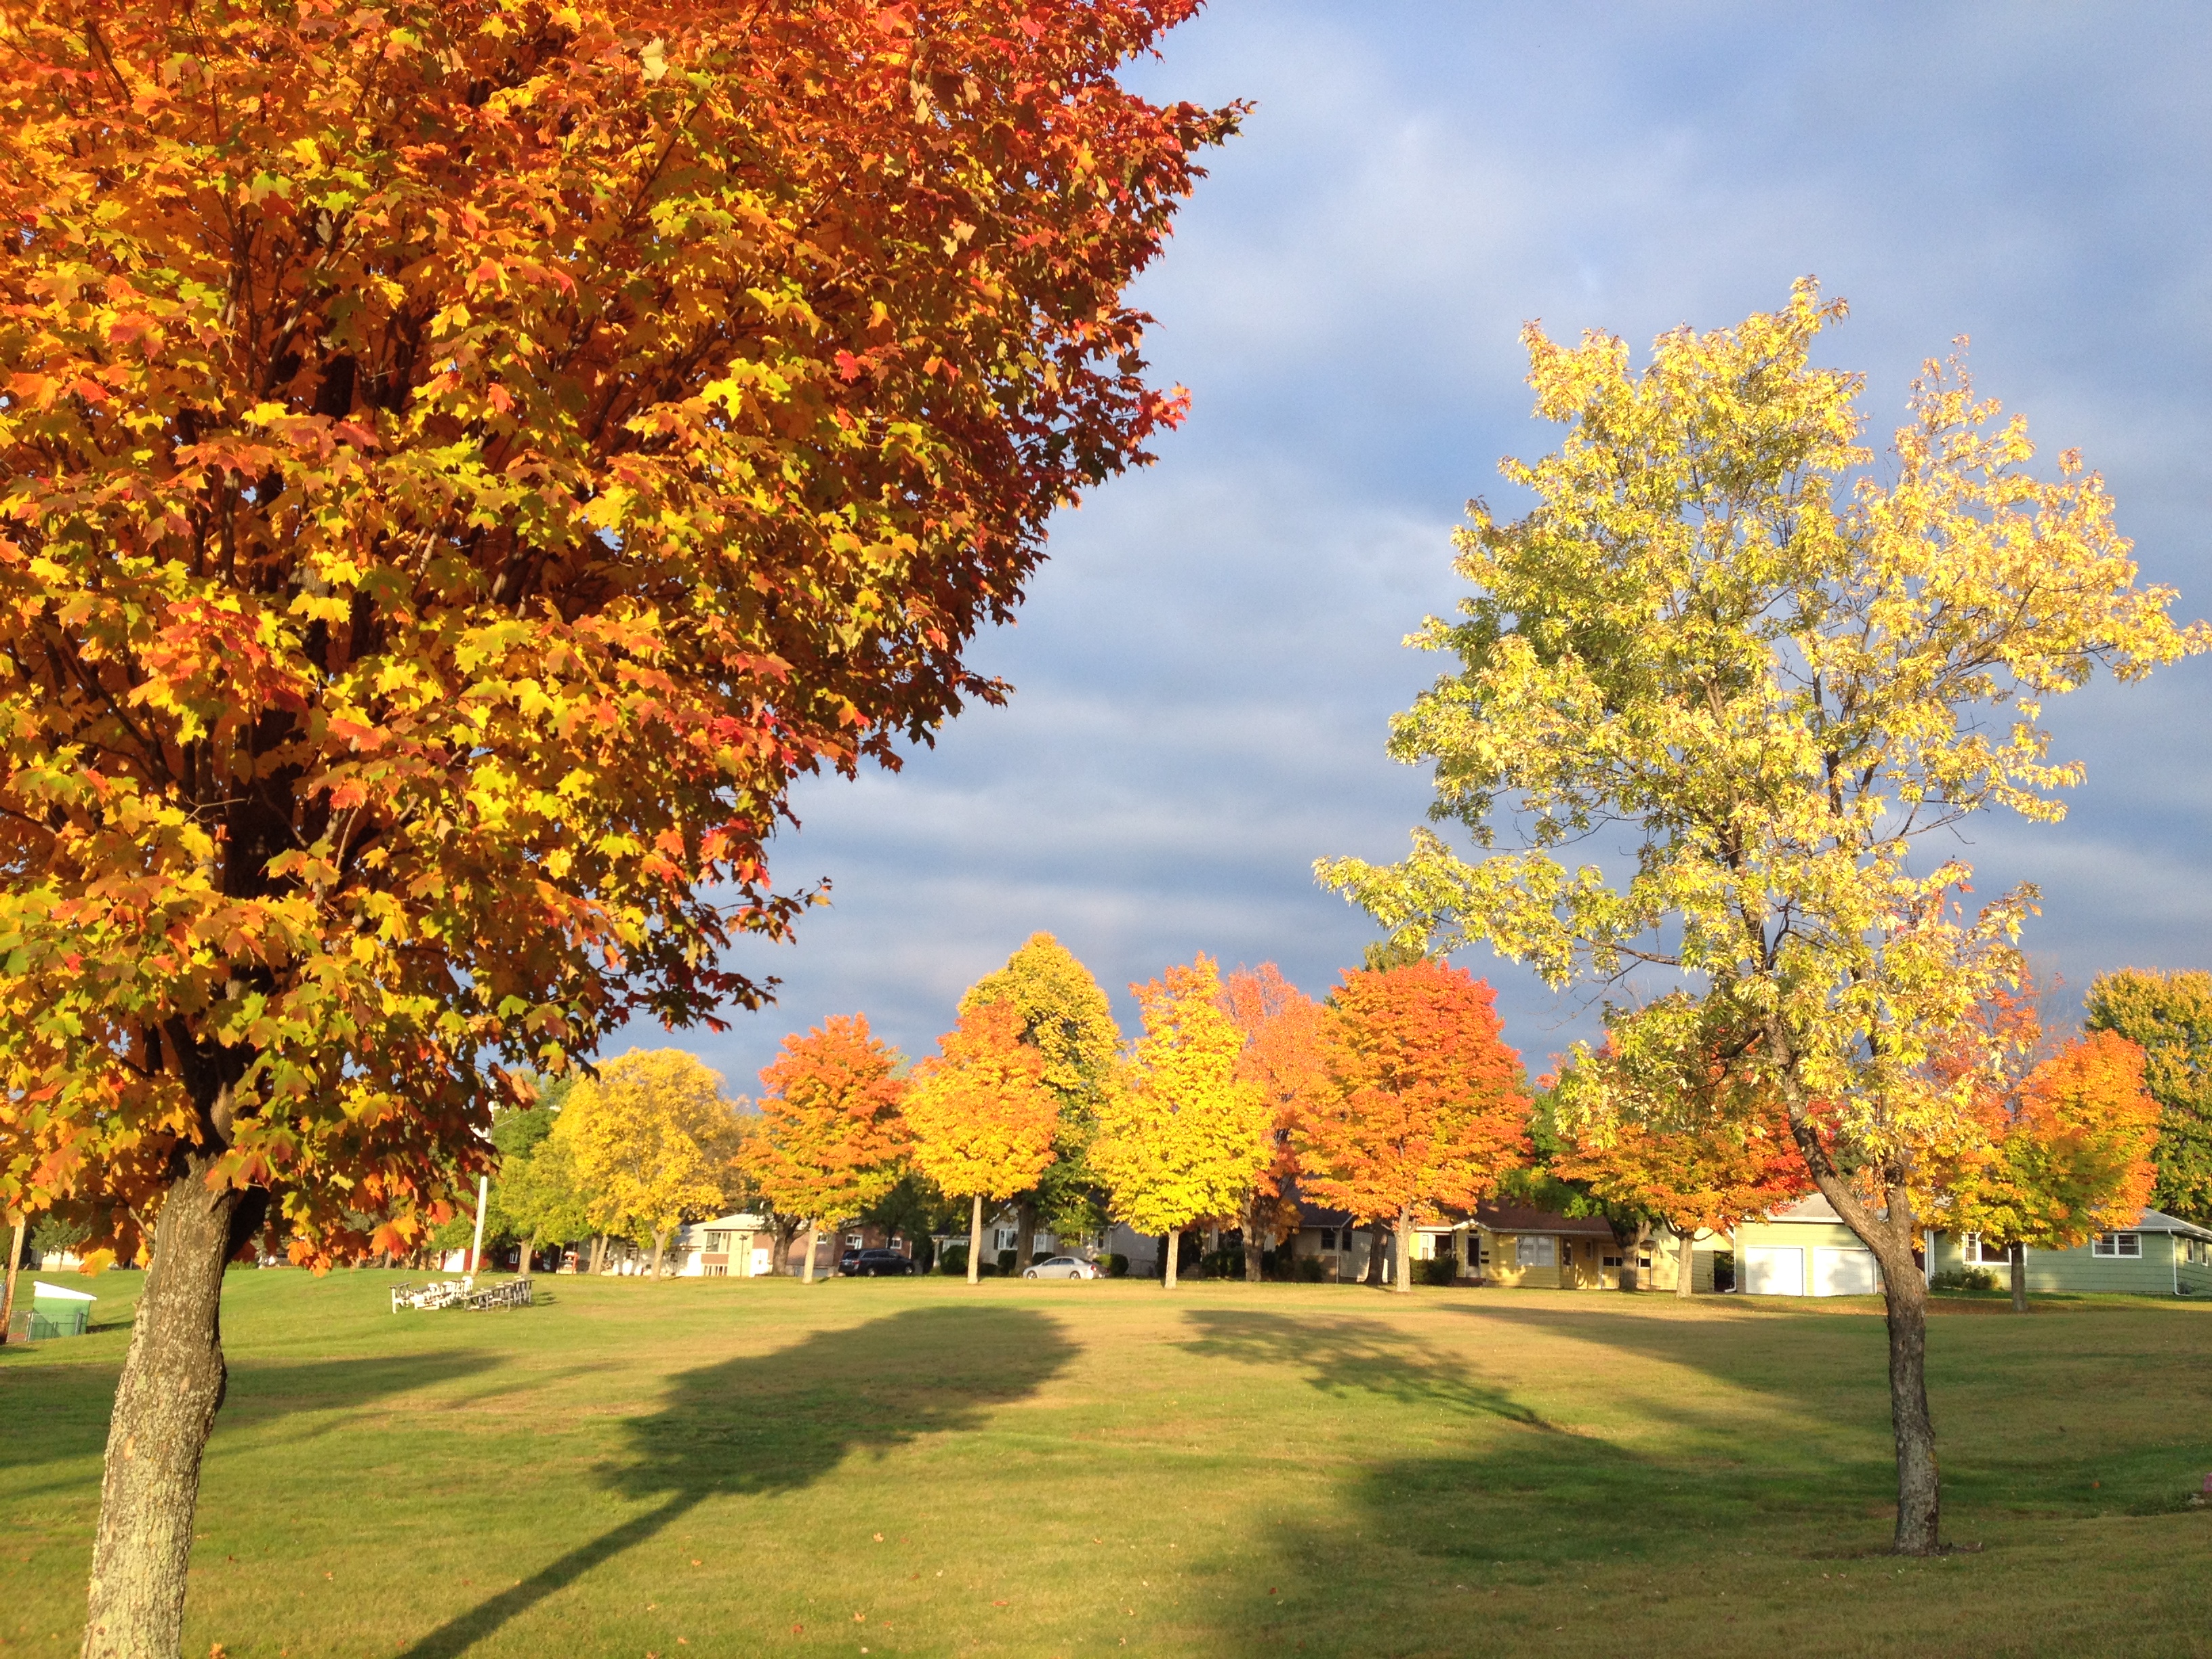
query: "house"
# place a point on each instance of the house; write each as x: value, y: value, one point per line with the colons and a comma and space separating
x: 736, y: 1246
x: 1507, y: 1244
x: 2156, y: 1255
x: 1803, y: 1250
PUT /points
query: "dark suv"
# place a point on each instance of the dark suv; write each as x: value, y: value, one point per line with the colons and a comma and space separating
x: 870, y: 1264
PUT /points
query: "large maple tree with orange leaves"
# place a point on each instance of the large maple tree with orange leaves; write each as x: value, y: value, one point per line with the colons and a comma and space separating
x: 1426, y: 1106
x: 459, y: 464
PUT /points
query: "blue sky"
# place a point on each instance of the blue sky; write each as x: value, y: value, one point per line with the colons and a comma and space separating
x: 1206, y: 668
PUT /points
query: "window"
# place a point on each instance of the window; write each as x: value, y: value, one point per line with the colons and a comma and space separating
x: 1644, y: 1261
x: 2128, y: 1244
x: 1614, y: 1261
x: 1986, y: 1252
x: 1329, y: 1238
x: 1536, y: 1252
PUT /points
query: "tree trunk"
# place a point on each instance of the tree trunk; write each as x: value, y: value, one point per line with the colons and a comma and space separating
x: 1372, y: 1272
x: 1685, y: 1264
x: 2018, y: 1254
x: 165, y: 1406
x: 1170, y: 1247
x: 1024, y: 1234
x: 1919, y: 1485
x: 1402, y: 1280
x: 7, y: 1296
x: 529, y: 1250
x: 975, y: 1241
x: 1255, y: 1243
x: 598, y: 1254
x: 659, y: 1246
x: 813, y: 1243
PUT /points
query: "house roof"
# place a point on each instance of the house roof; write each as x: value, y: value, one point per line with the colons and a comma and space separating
x: 1512, y: 1218
x: 2157, y: 1221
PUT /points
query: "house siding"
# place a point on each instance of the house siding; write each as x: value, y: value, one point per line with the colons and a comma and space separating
x: 2081, y: 1270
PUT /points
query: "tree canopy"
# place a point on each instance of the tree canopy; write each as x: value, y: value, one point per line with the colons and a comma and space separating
x: 2169, y: 1018
x: 1186, y: 1139
x: 1717, y: 633
x: 829, y: 1141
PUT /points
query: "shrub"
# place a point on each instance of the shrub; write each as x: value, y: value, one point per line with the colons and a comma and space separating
x: 1723, y: 1270
x: 1227, y: 1262
x: 1117, y: 1265
x: 1965, y: 1278
x: 953, y: 1259
x: 1006, y: 1262
x: 1310, y: 1270
x: 1437, y: 1270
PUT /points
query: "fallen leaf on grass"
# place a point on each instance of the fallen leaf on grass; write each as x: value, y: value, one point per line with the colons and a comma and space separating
x: 997, y: 1604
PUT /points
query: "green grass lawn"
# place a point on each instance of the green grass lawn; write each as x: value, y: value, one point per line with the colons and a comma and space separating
x: 736, y: 1468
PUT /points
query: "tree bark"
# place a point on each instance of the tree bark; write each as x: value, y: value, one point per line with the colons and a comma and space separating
x: 1685, y: 1264
x: 598, y: 1254
x: 2018, y: 1254
x: 1918, y: 1483
x: 7, y: 1296
x: 165, y: 1406
x: 1402, y: 1264
x: 1372, y: 1272
x: 659, y: 1245
x: 1024, y: 1234
x: 975, y: 1241
x: 529, y: 1249
x: 813, y: 1243
x: 1255, y: 1242
x: 1170, y: 1247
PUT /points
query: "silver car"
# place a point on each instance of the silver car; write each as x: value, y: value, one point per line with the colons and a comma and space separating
x: 1062, y: 1267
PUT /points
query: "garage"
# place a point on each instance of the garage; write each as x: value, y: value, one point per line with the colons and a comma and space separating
x: 1845, y: 1272
x: 1773, y: 1271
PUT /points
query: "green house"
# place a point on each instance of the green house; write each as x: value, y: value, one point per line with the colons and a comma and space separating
x: 2158, y: 1254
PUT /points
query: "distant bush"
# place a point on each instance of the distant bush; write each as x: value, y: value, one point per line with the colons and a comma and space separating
x: 1006, y: 1262
x: 1723, y: 1270
x: 1311, y: 1271
x: 1227, y: 1262
x: 1437, y: 1270
x: 953, y: 1259
x: 1965, y: 1278
x: 1117, y: 1265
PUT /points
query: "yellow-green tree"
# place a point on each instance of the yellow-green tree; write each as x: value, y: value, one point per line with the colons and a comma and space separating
x: 646, y: 1138
x: 1189, y: 1135
x: 1718, y: 636
x: 982, y: 1117
x: 1067, y: 1019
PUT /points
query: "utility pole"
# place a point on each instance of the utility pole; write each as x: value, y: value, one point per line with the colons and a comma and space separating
x: 476, y: 1249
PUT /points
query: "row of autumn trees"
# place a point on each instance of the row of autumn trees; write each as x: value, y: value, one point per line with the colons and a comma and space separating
x: 1395, y: 1100
x: 1397, y: 1095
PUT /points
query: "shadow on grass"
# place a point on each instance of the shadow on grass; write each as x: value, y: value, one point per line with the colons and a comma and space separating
x: 777, y: 1422
x: 70, y: 1403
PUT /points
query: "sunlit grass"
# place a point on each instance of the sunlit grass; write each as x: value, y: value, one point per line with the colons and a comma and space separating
x: 704, y: 1468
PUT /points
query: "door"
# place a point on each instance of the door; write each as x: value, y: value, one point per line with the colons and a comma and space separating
x: 1845, y: 1272
x: 1771, y: 1272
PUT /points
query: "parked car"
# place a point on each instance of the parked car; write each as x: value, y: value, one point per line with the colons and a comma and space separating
x: 874, y: 1264
x: 1062, y: 1267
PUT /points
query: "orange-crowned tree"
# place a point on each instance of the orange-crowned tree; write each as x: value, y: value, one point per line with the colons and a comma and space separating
x: 459, y: 461
x: 831, y: 1141
x: 1426, y: 1105
x: 1282, y: 1058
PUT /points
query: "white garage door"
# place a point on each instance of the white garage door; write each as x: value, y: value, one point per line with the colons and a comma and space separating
x: 1774, y: 1273
x: 1844, y: 1272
